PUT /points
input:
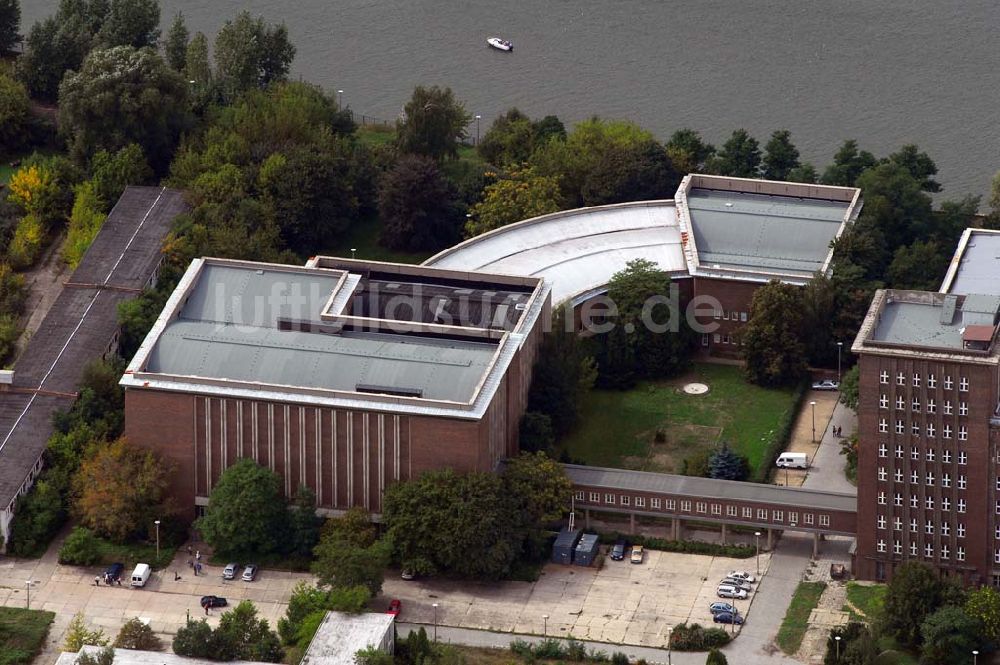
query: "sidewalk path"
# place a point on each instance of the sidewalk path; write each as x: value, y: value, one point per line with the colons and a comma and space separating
x: 827, y: 469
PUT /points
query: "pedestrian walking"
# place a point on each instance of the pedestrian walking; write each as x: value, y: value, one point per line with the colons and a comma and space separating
x: 190, y: 551
x: 119, y: 580
x: 97, y: 580
x: 206, y: 609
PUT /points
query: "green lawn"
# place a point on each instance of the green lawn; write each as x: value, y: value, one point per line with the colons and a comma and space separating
x: 870, y: 599
x: 22, y: 633
x: 363, y: 237
x: 132, y: 553
x: 796, y: 621
x: 618, y: 428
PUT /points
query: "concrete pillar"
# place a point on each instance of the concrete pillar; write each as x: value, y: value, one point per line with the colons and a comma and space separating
x: 678, y: 528
x: 723, y: 534
x: 770, y: 539
x: 586, y: 518
x: 816, y: 538
x: 631, y: 523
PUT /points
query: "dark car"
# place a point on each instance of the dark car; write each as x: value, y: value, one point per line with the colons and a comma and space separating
x: 618, y: 550
x: 213, y: 601
x: 719, y: 606
x: 727, y: 617
x: 114, y: 573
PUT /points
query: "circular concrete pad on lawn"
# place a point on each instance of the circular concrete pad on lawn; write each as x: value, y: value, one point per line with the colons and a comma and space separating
x: 696, y: 389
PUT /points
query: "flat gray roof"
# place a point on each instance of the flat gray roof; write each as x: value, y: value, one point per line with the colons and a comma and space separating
x: 763, y: 233
x: 975, y: 268
x: 914, y: 319
x: 645, y: 481
x: 341, y: 636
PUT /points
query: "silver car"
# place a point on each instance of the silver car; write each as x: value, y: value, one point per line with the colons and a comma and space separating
x: 229, y: 572
x: 739, y: 583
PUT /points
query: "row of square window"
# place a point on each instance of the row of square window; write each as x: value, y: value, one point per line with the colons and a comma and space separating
x: 963, y: 383
x: 703, y: 507
x: 963, y: 407
x: 963, y: 431
x: 897, y: 525
x: 897, y: 500
x: 726, y: 315
x: 929, y: 454
x: 897, y: 548
x: 928, y: 479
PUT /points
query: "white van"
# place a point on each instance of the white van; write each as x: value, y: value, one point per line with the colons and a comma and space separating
x: 793, y: 461
x: 141, y: 574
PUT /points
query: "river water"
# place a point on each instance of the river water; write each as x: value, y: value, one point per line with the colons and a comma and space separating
x: 886, y: 72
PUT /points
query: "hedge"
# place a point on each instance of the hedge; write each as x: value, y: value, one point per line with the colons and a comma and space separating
x: 779, y: 439
x: 697, y: 638
x: 682, y: 546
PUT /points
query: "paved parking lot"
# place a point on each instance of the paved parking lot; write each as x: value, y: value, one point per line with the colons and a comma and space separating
x: 622, y: 603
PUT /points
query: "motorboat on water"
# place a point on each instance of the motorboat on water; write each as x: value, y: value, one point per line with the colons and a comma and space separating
x: 500, y: 44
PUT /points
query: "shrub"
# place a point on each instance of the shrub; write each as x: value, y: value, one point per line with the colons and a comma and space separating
x: 716, y: 657
x: 84, y: 223
x: 618, y: 658
x: 696, y: 638
x: 138, y: 635
x: 77, y: 635
x: 575, y: 650
x: 80, y: 549
x: 682, y: 546
x: 26, y: 245
x: 521, y: 648
x: 550, y: 650
x: 10, y: 331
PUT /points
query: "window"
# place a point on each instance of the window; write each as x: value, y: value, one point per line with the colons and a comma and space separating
x: 929, y: 479
x: 899, y: 427
x: 915, y: 428
x: 808, y: 517
x: 930, y: 430
x: 883, y: 378
x: 640, y: 502
x: 946, y: 431
x: 734, y: 315
x: 963, y: 408
x: 997, y: 534
x: 913, y: 549
x: 945, y: 551
x: 881, y: 522
x: 883, y: 450
x: 931, y: 381
x: 609, y: 499
x: 960, y: 530
x: 725, y: 315
x: 962, y: 482
x: 945, y: 529
x: 931, y: 406
x: 963, y: 433
x: 654, y: 503
x: 883, y: 402
x: 747, y: 513
x: 793, y: 517
x: 897, y: 547
x: 960, y: 553
x: 948, y: 383
x: 963, y: 457
x: 717, y: 338
x: 913, y: 525
x: 998, y: 483
x: 704, y: 340
x: 900, y: 403
x: 762, y: 514
x: 929, y: 502
x: 996, y: 556
x: 945, y: 503
x: 702, y: 507
x: 915, y: 405
x: 716, y: 508
x: 900, y: 379
x: 579, y: 496
x: 881, y: 502
x: 899, y: 451
x: 671, y: 504
x: 929, y: 455
x: 897, y: 524
x: 777, y: 516
x: 718, y: 315
x: 914, y: 453
x: 946, y: 457
x: 960, y: 506
x: 963, y: 385
x: 929, y: 551
x: 625, y: 500
x: 881, y: 547
x: 998, y: 508
x: 595, y: 497
x: 914, y: 501
x: 883, y: 426
x: 881, y: 473
x: 947, y: 407
x: 897, y: 499
x: 725, y: 339
x: 916, y: 380
x: 914, y: 477
x: 686, y: 506
x: 743, y: 317
x: 824, y: 520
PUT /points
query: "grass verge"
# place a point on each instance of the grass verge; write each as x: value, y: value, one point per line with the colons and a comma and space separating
x: 796, y: 621
x: 132, y: 553
x: 868, y: 598
x: 363, y: 237
x: 22, y: 633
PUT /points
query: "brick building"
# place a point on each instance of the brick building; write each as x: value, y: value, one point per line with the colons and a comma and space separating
x: 341, y: 375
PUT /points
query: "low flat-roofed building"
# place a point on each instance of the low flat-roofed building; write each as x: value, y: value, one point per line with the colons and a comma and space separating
x: 341, y: 636
x: 975, y: 267
x: 342, y: 375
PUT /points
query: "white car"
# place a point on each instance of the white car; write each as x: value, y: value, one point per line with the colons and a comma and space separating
x: 737, y: 582
x: 742, y: 574
x: 826, y: 385
x: 729, y: 591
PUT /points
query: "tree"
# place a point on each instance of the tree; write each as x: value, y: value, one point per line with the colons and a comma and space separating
x: 539, y: 487
x: 518, y: 196
x: 77, y: 635
x: 727, y: 464
x: 509, y: 141
x: 198, y: 68
x: 913, y: 594
x: 535, y: 432
x: 136, y: 634
x: 419, y: 207
x: 84, y: 223
x: 564, y: 372
x: 781, y: 157
x: 688, y: 152
x: 193, y: 639
x: 246, y: 511
x: 949, y: 635
x: 849, y: 388
x: 920, y: 166
x: 772, y: 348
x: 312, y: 602
x: 121, y: 489
x: 242, y: 635
x: 10, y: 24
x: 716, y: 657
x: 372, y: 656
x: 433, y: 124
x: 803, y: 173
x: 15, y: 111
x: 549, y: 128
x: 176, y: 45
x: 122, y: 96
x: 252, y: 54
x: 848, y: 164
x: 638, y: 172
x: 739, y: 156
x: 920, y: 266
x: 856, y: 646
x: 105, y: 656
x: 81, y: 548
x: 338, y: 563
x: 983, y: 606
x: 303, y: 523
x: 354, y: 526
x: 112, y: 172
x: 134, y: 23
x: 53, y: 46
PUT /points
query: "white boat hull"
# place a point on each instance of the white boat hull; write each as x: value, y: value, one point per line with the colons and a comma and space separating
x: 500, y: 44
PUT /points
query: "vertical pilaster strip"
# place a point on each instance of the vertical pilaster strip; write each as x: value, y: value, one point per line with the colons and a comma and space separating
x: 255, y: 429
x: 270, y: 436
x: 208, y: 445
x: 395, y: 443
x: 302, y: 445
x: 350, y: 458
x: 288, y: 450
x: 319, y: 456
x: 333, y: 441
x: 239, y: 429
x: 224, y: 439
x: 381, y: 458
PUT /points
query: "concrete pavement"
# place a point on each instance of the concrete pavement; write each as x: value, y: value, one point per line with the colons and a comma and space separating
x: 828, y: 465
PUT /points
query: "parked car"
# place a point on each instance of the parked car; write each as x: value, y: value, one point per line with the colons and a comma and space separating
x: 729, y: 591
x: 826, y: 385
x: 213, y: 601
x: 113, y: 573
x: 728, y: 617
x: 250, y: 572
x: 229, y: 572
x: 637, y: 553
x: 141, y: 574
x: 618, y: 550
x: 719, y: 606
x: 407, y: 574
x: 738, y: 583
x: 395, y: 607
x: 792, y: 461
x: 742, y: 574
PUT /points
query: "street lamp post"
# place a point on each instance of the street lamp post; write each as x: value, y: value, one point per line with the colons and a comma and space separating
x: 756, y: 537
x: 836, y: 638
x: 813, y: 405
x: 340, y: 99
x: 477, y: 128
x: 435, y: 606
x: 975, y: 657
x: 545, y: 625
x: 27, y: 599
x: 670, y: 635
x: 157, y: 523
x: 840, y: 347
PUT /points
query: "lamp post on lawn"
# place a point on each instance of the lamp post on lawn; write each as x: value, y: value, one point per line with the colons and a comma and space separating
x: 477, y: 128
x: 836, y: 638
x: 813, y: 405
x: 27, y: 599
x: 545, y: 625
x: 435, y: 606
x: 756, y: 537
x: 157, y: 523
x: 840, y: 347
x: 975, y: 657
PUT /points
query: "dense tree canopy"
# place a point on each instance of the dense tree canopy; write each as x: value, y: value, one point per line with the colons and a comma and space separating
x: 739, y: 156
x: 516, y: 196
x: 914, y: 593
x: 848, y: 163
x: 419, y: 207
x: 564, y: 372
x: 10, y: 23
x: 246, y: 511
x: 176, y: 45
x: 772, y: 347
x: 639, y: 172
x: 688, y: 152
x: 949, y: 635
x: 781, y: 157
x: 134, y: 23
x: 122, y: 96
x: 251, y: 54
x: 15, y: 113
x: 434, y: 123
